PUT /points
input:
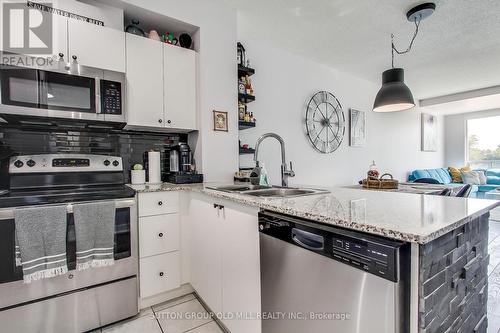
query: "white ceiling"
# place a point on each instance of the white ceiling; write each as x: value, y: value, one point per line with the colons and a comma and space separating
x: 458, y: 48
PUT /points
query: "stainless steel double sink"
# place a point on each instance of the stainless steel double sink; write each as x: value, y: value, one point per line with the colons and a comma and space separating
x: 268, y: 191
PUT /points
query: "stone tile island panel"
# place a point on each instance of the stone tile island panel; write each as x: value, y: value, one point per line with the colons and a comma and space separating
x: 453, y: 280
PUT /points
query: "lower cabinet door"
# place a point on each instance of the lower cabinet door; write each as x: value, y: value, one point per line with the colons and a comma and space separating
x: 159, y: 274
x: 241, y: 270
x: 205, y: 254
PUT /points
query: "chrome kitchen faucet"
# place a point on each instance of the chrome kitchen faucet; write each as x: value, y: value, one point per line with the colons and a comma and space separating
x: 285, y: 173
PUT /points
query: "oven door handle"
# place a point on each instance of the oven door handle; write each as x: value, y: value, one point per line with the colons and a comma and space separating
x: 8, y: 214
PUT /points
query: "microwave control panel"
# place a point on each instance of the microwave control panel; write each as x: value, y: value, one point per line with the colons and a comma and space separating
x: 111, y: 97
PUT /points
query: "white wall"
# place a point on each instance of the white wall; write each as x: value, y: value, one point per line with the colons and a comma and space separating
x: 456, y: 135
x: 217, y: 152
x: 283, y: 85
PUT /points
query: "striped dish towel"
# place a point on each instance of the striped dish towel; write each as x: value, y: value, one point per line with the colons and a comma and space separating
x: 95, y: 234
x: 41, y: 241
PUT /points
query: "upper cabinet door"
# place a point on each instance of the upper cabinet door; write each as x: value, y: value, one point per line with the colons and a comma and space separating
x: 96, y: 46
x: 60, y: 37
x: 144, y: 82
x: 180, y: 87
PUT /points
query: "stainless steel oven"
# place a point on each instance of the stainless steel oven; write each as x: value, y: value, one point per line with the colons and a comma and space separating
x: 62, y: 91
x: 78, y: 301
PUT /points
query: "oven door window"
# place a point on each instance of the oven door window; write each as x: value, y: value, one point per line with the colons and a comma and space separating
x: 20, y: 87
x: 8, y: 270
x: 67, y: 92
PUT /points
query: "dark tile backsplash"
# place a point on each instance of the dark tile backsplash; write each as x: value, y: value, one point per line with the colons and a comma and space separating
x: 131, y: 146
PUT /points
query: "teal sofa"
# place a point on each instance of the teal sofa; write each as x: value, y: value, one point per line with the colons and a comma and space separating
x: 443, y: 176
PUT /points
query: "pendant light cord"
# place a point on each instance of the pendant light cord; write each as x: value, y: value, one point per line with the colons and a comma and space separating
x: 394, y: 49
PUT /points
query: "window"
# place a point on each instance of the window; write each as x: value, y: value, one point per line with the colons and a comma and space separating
x: 483, y: 142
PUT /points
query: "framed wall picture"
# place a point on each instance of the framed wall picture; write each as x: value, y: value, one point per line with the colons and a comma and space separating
x: 357, y: 128
x: 429, y: 132
x: 220, y: 121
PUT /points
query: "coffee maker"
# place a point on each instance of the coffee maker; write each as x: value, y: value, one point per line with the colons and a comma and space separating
x: 182, y: 170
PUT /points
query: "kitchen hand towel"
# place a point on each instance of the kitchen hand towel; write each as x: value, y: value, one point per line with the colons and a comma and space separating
x: 95, y: 230
x: 41, y: 241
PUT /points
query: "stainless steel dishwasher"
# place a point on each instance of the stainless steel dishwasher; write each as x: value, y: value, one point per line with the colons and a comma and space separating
x: 323, y: 279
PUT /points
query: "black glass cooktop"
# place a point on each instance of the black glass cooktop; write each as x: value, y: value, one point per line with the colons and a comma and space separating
x: 46, y: 196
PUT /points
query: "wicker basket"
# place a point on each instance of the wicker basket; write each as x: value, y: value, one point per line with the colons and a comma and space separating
x: 381, y: 183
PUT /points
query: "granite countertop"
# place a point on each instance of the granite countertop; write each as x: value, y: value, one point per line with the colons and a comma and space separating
x: 403, y: 216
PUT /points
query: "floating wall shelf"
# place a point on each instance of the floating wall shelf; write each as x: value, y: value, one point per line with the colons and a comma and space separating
x: 242, y: 125
x: 244, y: 71
x: 245, y: 98
x: 247, y: 151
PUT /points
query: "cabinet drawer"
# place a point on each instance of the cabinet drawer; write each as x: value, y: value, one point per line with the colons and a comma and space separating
x: 158, y: 234
x: 160, y: 273
x: 158, y: 203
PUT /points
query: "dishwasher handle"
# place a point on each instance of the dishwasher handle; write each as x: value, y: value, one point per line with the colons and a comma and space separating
x: 308, y: 240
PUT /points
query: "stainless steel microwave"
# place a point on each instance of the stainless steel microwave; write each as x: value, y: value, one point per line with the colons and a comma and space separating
x: 67, y: 91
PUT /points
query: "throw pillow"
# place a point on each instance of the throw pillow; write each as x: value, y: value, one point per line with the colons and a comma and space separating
x: 482, y: 177
x: 471, y: 177
x: 456, y: 175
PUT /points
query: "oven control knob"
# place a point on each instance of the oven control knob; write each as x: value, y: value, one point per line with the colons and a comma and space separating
x: 107, y: 162
x: 116, y: 163
x: 18, y: 163
x: 31, y: 163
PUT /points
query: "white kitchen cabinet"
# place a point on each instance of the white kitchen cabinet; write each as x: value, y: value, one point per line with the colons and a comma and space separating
x: 159, y: 274
x: 206, y: 261
x: 157, y: 203
x: 96, y: 46
x: 18, y: 36
x: 144, y: 82
x: 225, y: 261
x: 159, y: 243
x: 241, y: 269
x: 59, y: 37
x: 161, y: 85
x: 161, y: 234
x: 179, y: 87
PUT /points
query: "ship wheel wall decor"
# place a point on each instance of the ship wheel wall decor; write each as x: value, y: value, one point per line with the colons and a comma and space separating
x: 325, y: 122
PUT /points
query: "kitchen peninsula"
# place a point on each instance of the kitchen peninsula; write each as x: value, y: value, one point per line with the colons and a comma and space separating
x: 447, y: 238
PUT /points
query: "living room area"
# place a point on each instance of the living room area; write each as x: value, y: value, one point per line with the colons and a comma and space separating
x: 471, y: 146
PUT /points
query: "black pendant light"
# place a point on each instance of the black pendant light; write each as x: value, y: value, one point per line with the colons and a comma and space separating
x: 395, y: 94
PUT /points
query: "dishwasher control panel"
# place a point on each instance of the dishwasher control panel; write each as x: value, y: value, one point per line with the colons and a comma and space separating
x: 375, y: 255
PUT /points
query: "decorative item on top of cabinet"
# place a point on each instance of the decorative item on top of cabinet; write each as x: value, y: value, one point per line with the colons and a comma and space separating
x: 220, y: 121
x: 185, y: 41
x: 357, y: 122
x: 133, y: 28
x: 153, y: 34
x: 169, y: 38
x: 325, y: 122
